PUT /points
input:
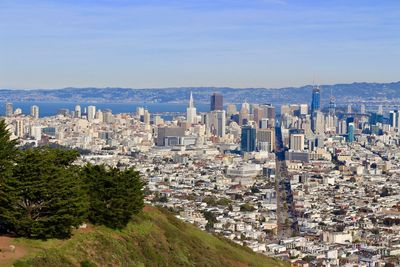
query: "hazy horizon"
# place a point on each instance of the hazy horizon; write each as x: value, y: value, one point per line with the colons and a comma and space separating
x: 187, y: 87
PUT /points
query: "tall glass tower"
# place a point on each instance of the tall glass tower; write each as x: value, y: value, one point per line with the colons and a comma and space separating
x: 248, y: 139
x: 350, y: 133
x: 217, y: 102
x: 316, y: 99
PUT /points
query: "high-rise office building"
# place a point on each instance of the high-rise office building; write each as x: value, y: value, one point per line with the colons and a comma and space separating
x: 91, y: 113
x: 216, y: 123
x: 332, y: 106
x: 375, y: 118
x: 266, y: 139
x: 217, y: 102
x: 9, y: 109
x: 342, y: 127
x: 258, y: 114
x: 19, y: 128
x: 139, y: 111
x: 231, y: 110
x: 264, y: 122
x: 36, y: 132
x: 303, y: 109
x: 78, y: 111
x: 380, y: 110
x: 297, y: 142
x: 350, y: 132
x: 35, y: 112
x: 349, y: 109
x: 264, y: 111
x: 108, y: 116
x: 169, y: 136
x: 318, y: 122
x: 99, y: 115
x: 248, y: 139
x: 146, y: 117
x: 285, y: 110
x: 244, y: 114
x: 316, y: 99
x: 246, y: 105
x: 362, y: 109
x: 191, y: 115
x: 394, y: 118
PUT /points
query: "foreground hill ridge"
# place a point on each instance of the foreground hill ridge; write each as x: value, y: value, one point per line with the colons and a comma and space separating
x: 359, y: 90
x: 153, y: 238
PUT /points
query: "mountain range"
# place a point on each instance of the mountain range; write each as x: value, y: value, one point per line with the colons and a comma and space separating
x: 343, y: 93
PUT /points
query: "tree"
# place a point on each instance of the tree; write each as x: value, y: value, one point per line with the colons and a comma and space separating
x: 254, y: 189
x: 114, y: 195
x: 43, y: 197
x: 8, y: 150
x: 211, y: 219
x: 247, y: 207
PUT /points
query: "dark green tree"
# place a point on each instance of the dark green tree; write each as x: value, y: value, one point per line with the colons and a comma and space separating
x: 43, y: 198
x: 114, y: 195
x: 8, y: 150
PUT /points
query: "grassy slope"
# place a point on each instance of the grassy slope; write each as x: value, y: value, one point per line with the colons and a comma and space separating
x: 154, y: 238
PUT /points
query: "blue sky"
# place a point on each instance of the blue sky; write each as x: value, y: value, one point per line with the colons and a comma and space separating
x: 162, y: 43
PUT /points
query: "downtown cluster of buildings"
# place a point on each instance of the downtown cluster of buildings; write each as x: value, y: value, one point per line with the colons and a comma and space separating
x: 313, y: 184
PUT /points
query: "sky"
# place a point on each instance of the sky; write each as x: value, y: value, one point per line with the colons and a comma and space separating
x: 168, y: 43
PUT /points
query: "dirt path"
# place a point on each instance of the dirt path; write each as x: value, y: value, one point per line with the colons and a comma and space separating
x: 10, y: 252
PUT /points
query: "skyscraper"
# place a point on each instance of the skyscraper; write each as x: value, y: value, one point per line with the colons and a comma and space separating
x: 107, y: 116
x: 91, y: 113
x: 297, y: 142
x: 146, y: 117
x: 139, y: 111
x: 332, y: 106
x: 217, y: 121
x: 99, y: 115
x: 244, y: 114
x: 78, y: 112
x: 9, y: 109
x: 231, y: 110
x: 19, y: 128
x: 248, y: 139
x: 318, y: 122
x: 217, y: 102
x: 394, y: 118
x: 266, y: 139
x: 380, y: 110
x: 362, y: 109
x: 316, y: 99
x: 191, y: 111
x: 35, y: 112
x: 350, y: 132
x: 264, y: 111
x: 349, y: 109
x: 303, y: 109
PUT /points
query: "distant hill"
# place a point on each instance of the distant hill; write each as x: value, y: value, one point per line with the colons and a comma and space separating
x: 154, y: 238
x: 343, y: 92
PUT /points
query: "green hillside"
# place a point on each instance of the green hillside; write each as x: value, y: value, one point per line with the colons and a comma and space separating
x: 154, y: 238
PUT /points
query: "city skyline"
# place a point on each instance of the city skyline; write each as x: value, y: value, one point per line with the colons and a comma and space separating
x: 263, y: 176
x: 145, y: 44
